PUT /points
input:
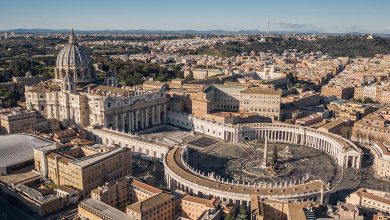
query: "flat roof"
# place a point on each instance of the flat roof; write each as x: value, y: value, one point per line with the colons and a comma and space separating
x: 106, y: 210
x: 258, y: 90
x: 86, y: 161
x: 19, y: 178
x: 18, y: 148
x: 145, y: 186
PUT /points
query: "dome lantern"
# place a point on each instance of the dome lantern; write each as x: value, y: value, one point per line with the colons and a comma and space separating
x: 72, y: 38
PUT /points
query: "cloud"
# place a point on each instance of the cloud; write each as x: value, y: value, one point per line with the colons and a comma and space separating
x: 296, y: 26
x: 291, y: 25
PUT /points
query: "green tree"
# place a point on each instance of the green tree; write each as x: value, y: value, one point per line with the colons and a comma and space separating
x: 367, y: 100
x: 243, y: 213
x: 228, y: 217
x: 190, y: 76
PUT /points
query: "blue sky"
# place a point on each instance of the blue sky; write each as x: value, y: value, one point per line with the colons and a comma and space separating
x: 283, y: 15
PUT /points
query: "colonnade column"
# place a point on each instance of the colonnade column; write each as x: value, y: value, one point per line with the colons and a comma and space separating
x: 142, y: 119
x: 123, y: 121
x: 115, y: 122
x: 136, y: 119
x: 147, y: 117
x: 129, y: 124
x: 159, y: 114
x: 132, y: 120
x: 165, y: 114
x: 153, y: 115
x: 105, y: 122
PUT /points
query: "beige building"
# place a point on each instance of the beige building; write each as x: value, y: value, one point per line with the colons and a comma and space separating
x: 265, y: 102
x: 93, y: 209
x: 337, y: 91
x: 16, y: 120
x: 353, y: 111
x: 385, y: 96
x: 160, y: 206
x: 123, y: 191
x: 369, y: 198
x: 83, y: 168
x: 340, y: 126
x: 234, y: 97
x: 373, y: 128
x: 381, y: 152
x: 113, y: 193
x: 203, y: 73
x: 197, y: 208
x: 301, y: 100
x: 71, y: 99
x: 28, y: 80
x: 26, y: 189
x: 309, y: 120
x: 275, y: 209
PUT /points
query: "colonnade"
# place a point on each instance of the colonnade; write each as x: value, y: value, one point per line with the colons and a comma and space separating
x: 178, y: 177
x: 316, y: 140
x: 344, y: 151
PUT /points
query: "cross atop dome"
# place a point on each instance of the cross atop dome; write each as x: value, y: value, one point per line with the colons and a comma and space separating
x: 72, y: 38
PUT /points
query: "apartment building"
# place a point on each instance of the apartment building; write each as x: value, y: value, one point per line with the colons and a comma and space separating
x: 339, y: 91
x: 265, y: 102
x: 83, y: 167
x: 373, y: 128
x: 195, y: 208
x: 126, y: 190
x: 369, y: 198
x: 381, y: 152
x: 160, y: 206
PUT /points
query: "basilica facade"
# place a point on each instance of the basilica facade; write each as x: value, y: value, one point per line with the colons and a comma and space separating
x: 75, y: 98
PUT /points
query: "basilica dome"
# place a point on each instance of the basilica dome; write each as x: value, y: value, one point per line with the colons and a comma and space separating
x: 74, y: 60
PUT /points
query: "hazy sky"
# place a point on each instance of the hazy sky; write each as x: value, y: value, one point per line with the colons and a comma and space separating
x: 283, y: 15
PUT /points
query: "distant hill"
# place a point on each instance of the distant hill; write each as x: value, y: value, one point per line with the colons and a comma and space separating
x: 146, y: 31
x: 138, y: 31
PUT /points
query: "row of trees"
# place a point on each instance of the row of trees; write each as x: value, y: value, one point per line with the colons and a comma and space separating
x: 132, y: 73
x: 351, y: 46
x: 9, y: 98
x: 18, y: 67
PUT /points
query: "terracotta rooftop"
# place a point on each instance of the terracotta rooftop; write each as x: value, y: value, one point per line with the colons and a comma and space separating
x: 145, y: 186
x: 212, y: 203
x: 147, y: 204
x: 382, y: 199
x: 65, y: 133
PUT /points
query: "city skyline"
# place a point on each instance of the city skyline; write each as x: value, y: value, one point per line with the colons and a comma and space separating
x: 298, y: 16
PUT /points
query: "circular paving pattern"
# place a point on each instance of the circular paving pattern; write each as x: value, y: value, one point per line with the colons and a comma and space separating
x: 244, y: 162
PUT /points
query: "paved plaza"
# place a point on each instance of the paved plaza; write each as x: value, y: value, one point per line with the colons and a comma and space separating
x: 242, y: 162
x: 228, y: 160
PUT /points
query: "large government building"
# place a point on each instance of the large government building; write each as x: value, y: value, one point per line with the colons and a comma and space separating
x: 74, y: 97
